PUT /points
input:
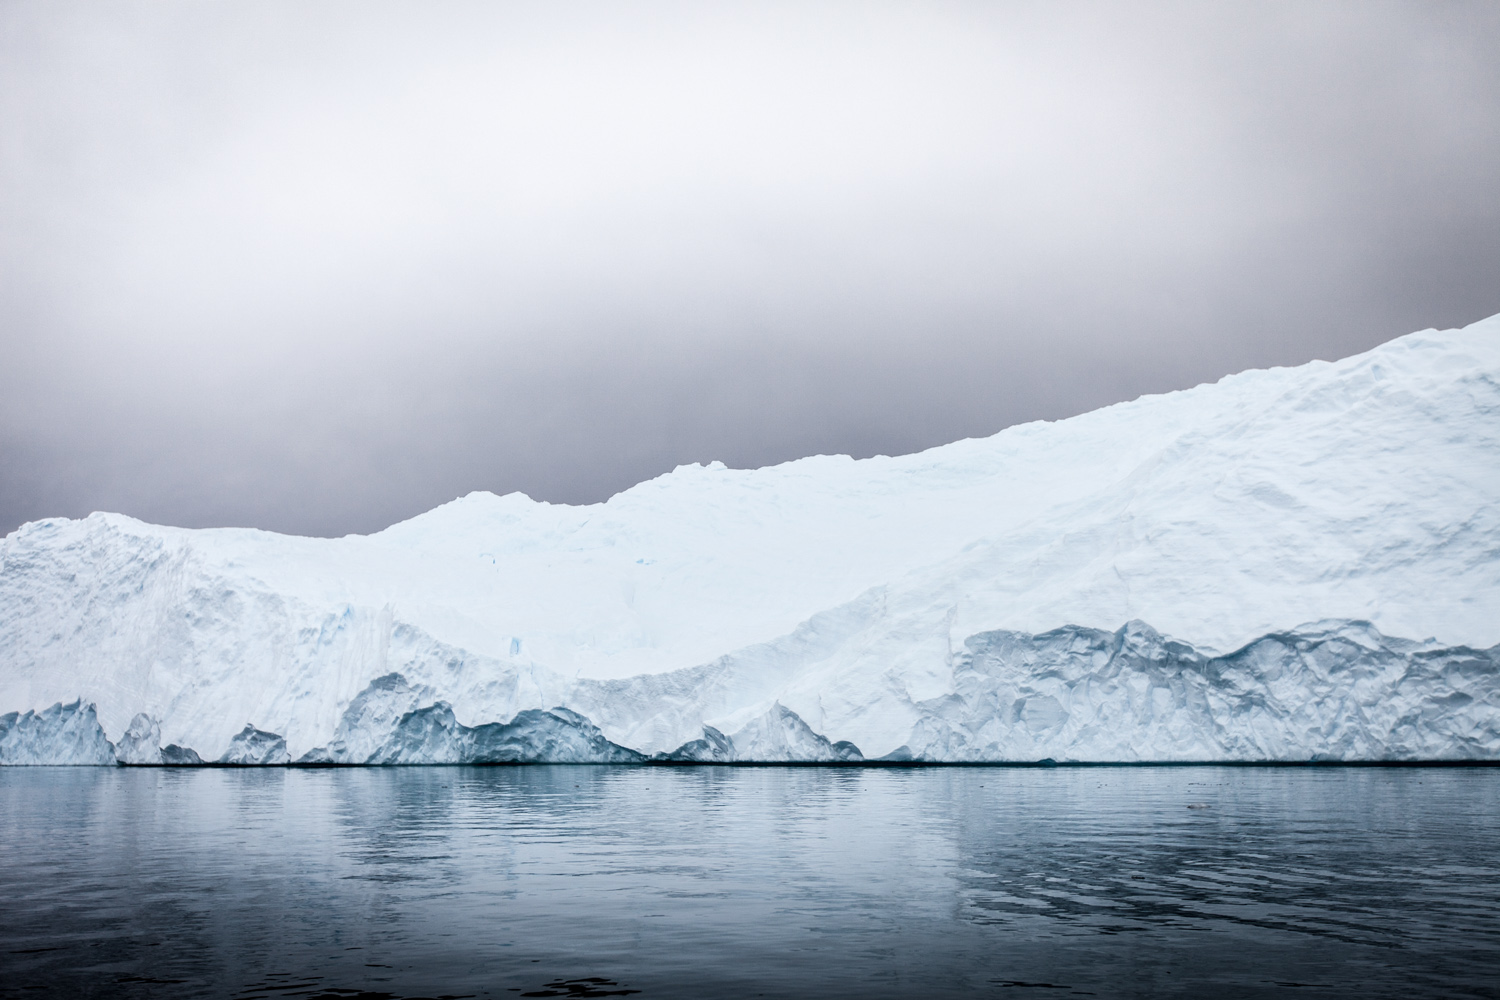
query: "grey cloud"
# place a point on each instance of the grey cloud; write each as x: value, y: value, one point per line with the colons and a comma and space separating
x: 317, y: 269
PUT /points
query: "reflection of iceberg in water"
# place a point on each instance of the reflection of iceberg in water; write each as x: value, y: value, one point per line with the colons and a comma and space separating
x: 692, y: 882
x: 1110, y: 856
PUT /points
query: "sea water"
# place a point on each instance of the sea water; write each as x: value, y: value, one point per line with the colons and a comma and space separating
x: 749, y: 881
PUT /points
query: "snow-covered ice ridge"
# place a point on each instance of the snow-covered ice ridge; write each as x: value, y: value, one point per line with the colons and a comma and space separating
x: 983, y: 600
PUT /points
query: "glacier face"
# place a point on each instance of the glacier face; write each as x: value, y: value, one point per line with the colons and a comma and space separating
x: 834, y: 610
x: 1334, y: 691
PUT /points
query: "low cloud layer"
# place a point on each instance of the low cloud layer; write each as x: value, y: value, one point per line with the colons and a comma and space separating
x: 318, y: 269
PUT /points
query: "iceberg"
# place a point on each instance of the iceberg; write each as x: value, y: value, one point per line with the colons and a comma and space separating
x: 62, y: 734
x: 433, y: 736
x: 780, y: 736
x: 173, y: 755
x: 141, y: 744
x: 371, y: 719
x: 1219, y: 574
x: 253, y: 747
x: 385, y: 725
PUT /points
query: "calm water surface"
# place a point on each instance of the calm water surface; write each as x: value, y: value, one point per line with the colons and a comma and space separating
x: 745, y: 882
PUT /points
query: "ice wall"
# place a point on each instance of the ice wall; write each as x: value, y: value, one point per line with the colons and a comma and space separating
x: 1334, y: 691
x: 845, y: 593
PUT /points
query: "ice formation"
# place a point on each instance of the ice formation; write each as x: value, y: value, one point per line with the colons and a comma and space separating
x: 141, y: 743
x: 253, y: 747
x: 62, y: 734
x: 982, y: 601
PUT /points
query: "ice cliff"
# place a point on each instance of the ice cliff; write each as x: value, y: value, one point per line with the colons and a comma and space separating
x: 986, y: 600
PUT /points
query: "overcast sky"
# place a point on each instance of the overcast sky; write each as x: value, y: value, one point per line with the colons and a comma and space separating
x: 320, y: 267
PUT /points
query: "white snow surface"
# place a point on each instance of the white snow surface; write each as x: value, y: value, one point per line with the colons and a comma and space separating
x: 1362, y: 489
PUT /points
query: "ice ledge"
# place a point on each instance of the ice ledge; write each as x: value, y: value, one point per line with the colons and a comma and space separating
x: 1332, y: 691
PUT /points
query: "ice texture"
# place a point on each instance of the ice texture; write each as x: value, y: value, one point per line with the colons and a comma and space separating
x: 387, y: 724
x: 62, y: 734
x: 371, y: 718
x: 141, y: 747
x: 1280, y: 525
x: 780, y: 736
x: 141, y: 744
x: 1336, y: 691
x: 254, y: 747
x: 713, y: 747
x: 433, y: 736
x: 173, y: 755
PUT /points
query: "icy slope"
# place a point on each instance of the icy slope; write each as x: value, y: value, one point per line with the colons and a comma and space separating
x: 840, y: 592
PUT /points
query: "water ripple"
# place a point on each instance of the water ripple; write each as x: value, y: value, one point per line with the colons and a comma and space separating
x: 795, y: 882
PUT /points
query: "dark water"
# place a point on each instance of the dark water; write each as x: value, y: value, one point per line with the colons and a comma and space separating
x: 744, y: 882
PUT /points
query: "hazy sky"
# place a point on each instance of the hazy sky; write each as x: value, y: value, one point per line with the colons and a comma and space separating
x: 320, y: 267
